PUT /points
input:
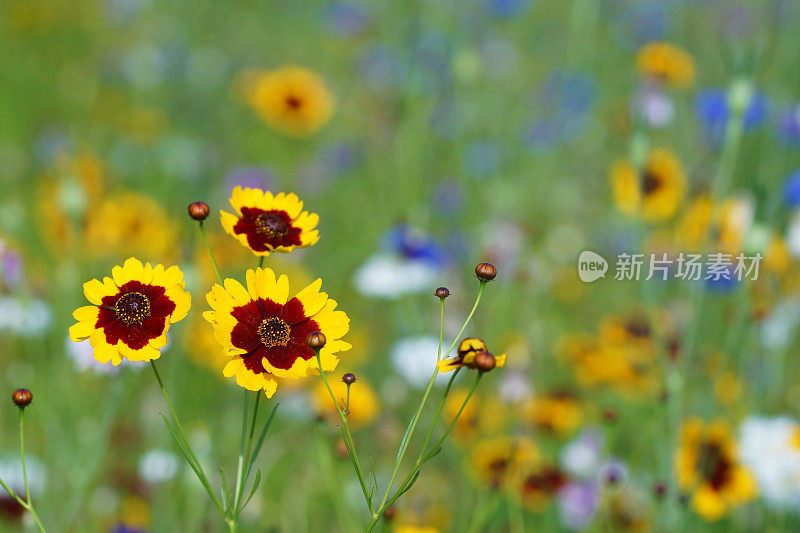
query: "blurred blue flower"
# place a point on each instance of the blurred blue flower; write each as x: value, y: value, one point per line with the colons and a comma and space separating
x: 249, y: 176
x: 122, y: 528
x: 641, y: 24
x: 507, y: 8
x: 566, y: 98
x: 788, y: 126
x: 342, y: 157
x: 713, y: 110
x: 382, y: 67
x: 415, y: 245
x: 791, y: 189
x: 347, y: 18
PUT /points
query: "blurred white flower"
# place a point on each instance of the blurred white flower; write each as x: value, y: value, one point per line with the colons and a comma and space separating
x: 581, y: 457
x: 82, y: 354
x: 387, y: 276
x: 655, y: 107
x: 157, y: 466
x: 28, y: 317
x: 515, y: 387
x: 414, y: 358
x: 778, y: 328
x: 770, y: 447
x: 11, y: 473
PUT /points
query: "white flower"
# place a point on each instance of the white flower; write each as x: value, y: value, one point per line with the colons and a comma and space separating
x: 28, y: 318
x: 770, y: 447
x: 11, y: 474
x: 82, y: 354
x: 581, y: 457
x: 157, y: 466
x: 778, y: 328
x: 414, y: 358
x: 388, y: 276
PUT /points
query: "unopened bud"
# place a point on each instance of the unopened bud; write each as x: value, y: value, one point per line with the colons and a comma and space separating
x: 485, y: 272
x: 315, y: 340
x: 198, y: 211
x: 22, y: 397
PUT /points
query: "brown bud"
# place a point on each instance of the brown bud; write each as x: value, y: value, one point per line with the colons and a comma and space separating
x: 485, y: 272
x: 22, y: 397
x: 484, y: 361
x: 660, y: 490
x: 442, y: 292
x: 315, y: 340
x: 389, y: 513
x: 349, y: 378
x: 198, y: 211
x: 610, y: 415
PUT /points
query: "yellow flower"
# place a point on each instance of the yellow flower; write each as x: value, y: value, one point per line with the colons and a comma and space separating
x: 537, y: 486
x: 727, y: 388
x: 666, y: 63
x: 364, y: 403
x: 558, y: 412
x: 292, y: 100
x: 266, y: 223
x: 725, y: 225
x: 131, y: 311
x: 263, y: 332
x: 415, y: 529
x: 130, y: 222
x: 707, y: 464
x: 480, y: 417
x: 656, y: 192
x: 497, y: 461
x: 465, y: 356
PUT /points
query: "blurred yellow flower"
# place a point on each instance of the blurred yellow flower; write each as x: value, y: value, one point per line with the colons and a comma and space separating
x: 497, y: 461
x: 538, y: 485
x: 727, y: 388
x: 364, y: 403
x: 480, y: 417
x: 723, y: 226
x: 415, y: 529
x: 130, y: 223
x: 666, y: 63
x: 293, y: 100
x: 656, y: 192
x: 707, y: 465
x: 558, y: 412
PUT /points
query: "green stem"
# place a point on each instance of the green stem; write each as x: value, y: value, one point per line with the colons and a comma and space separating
x: 240, y: 466
x: 412, y: 426
x: 348, y: 437
x: 28, y: 503
x: 438, y: 413
x: 199, y: 469
x: 208, y: 249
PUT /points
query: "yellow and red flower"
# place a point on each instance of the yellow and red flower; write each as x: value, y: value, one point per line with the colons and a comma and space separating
x: 131, y: 311
x: 264, y: 332
x: 465, y: 356
x: 266, y: 223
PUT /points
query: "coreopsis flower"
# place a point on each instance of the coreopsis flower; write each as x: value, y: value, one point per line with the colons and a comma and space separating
x: 654, y: 193
x: 559, y: 412
x: 266, y: 223
x: 467, y: 350
x: 131, y: 311
x: 666, y: 63
x: 264, y: 332
x: 707, y: 464
x: 293, y: 100
x: 539, y: 484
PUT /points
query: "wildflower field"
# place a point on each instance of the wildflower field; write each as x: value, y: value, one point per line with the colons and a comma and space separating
x: 413, y: 267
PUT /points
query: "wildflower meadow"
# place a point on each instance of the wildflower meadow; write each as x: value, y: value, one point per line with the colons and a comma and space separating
x: 408, y: 267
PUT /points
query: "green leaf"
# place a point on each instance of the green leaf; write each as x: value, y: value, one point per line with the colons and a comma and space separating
x: 261, y: 438
x: 256, y: 483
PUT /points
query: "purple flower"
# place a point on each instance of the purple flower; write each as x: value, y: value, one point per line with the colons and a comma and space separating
x: 577, y: 502
x: 347, y: 18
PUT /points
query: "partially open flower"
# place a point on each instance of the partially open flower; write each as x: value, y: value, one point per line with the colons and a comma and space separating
x: 131, y: 311
x: 266, y: 223
x: 264, y: 332
x: 466, y: 354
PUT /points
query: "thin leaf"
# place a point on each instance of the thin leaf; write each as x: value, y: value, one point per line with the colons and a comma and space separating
x: 256, y: 483
x: 405, y: 489
x: 224, y: 490
x: 261, y: 438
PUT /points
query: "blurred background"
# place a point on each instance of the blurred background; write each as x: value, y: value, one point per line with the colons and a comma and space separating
x: 428, y: 136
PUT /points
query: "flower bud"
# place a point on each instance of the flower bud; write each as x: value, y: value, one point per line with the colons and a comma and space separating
x: 315, y: 340
x: 660, y: 490
x: 484, y: 361
x: 198, y: 211
x: 22, y: 397
x: 442, y: 292
x: 485, y: 272
x: 349, y: 378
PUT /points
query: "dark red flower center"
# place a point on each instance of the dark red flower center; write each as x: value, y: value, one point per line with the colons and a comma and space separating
x: 132, y: 308
x: 271, y: 225
x: 273, y: 331
x: 650, y: 183
x: 714, y: 464
x: 293, y: 102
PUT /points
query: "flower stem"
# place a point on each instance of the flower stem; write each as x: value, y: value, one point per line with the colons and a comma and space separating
x: 351, y: 448
x: 413, y: 424
x: 211, y: 255
x: 28, y: 503
x: 192, y: 457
